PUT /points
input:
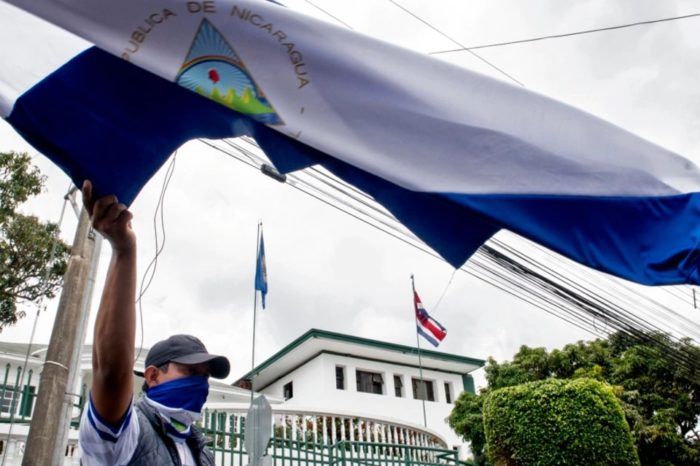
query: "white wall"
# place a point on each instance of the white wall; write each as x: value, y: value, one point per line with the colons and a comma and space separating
x: 309, y: 387
x: 314, y: 387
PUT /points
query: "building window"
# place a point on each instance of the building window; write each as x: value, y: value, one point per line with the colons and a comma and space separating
x: 288, y: 391
x: 11, y: 401
x: 423, y: 390
x: 398, y: 386
x: 340, y: 377
x: 369, y: 382
x: 448, y: 392
x: 7, y: 400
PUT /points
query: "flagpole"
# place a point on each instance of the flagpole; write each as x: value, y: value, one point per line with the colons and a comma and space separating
x: 255, y: 314
x: 420, y: 360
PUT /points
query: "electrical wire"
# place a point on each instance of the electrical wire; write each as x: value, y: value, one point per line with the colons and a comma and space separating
x: 622, y: 321
x: 455, y: 41
x: 585, y: 286
x: 595, y: 305
x: 329, y: 14
x: 607, y: 310
x: 444, y: 292
x: 660, y: 312
x: 575, y: 306
x: 567, y: 34
x: 150, y: 272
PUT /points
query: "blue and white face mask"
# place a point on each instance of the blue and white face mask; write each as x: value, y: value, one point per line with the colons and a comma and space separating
x: 180, y: 402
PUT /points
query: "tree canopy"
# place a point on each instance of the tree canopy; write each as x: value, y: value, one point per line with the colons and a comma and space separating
x: 660, y: 399
x: 32, y: 257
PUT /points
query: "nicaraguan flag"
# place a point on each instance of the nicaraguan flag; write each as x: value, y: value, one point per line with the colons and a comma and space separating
x: 426, y: 326
x: 454, y: 155
x: 261, y: 271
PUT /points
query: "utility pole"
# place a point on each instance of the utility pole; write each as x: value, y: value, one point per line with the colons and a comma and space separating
x: 74, y: 373
x: 47, y: 433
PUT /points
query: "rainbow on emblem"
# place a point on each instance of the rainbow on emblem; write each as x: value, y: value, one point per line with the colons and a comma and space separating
x: 214, y: 70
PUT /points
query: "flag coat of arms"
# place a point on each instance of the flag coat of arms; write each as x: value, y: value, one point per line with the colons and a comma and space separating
x: 454, y: 155
x: 426, y: 326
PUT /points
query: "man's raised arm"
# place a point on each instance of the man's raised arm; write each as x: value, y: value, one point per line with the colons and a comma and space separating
x: 115, y: 327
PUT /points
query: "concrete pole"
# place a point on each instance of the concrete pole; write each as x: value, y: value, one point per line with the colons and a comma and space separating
x: 47, y: 431
x: 73, y: 385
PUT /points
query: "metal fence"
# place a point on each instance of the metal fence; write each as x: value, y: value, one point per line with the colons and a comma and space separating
x: 17, y: 406
x: 300, y: 440
x: 17, y: 403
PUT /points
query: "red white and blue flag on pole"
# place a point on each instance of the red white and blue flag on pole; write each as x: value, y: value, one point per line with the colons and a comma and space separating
x: 426, y: 326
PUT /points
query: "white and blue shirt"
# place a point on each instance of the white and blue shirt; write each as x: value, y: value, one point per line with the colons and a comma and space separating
x: 105, y: 444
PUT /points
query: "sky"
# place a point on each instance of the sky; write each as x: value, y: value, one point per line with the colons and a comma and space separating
x: 326, y: 270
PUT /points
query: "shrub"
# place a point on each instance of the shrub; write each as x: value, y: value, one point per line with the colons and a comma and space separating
x: 557, y: 422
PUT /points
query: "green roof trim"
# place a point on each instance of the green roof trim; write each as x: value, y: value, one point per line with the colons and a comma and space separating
x: 315, y: 333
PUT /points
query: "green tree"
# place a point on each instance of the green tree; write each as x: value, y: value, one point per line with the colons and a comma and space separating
x: 32, y: 257
x: 660, y: 399
x: 557, y: 422
x: 467, y: 419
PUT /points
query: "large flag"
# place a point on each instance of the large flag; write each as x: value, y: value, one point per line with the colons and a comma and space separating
x: 261, y: 271
x: 426, y: 326
x: 454, y: 155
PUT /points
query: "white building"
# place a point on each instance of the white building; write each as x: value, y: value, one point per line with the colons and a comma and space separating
x: 331, y: 372
x: 335, y: 399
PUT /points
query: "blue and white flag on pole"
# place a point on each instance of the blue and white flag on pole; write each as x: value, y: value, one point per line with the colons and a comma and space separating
x: 261, y: 271
x: 454, y: 155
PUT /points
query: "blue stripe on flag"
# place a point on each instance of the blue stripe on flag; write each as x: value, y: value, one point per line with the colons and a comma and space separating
x: 650, y: 240
x: 428, y: 336
x: 102, y: 118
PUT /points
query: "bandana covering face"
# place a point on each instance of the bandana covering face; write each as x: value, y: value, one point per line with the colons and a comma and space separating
x: 179, y: 402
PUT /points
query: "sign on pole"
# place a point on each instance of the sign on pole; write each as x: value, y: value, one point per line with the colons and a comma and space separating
x: 258, y: 431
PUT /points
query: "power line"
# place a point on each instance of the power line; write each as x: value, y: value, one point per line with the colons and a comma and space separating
x: 586, y: 280
x: 568, y: 34
x: 455, y: 41
x: 561, y: 300
x: 329, y: 14
x: 371, y: 201
x: 621, y: 321
x: 390, y: 222
x: 501, y: 265
x: 624, y: 292
x: 150, y: 273
x: 503, y: 72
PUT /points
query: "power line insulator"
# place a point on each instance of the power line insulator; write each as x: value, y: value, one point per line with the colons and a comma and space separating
x: 273, y: 173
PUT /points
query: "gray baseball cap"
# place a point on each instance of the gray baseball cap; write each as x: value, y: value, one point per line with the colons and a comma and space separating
x: 186, y: 349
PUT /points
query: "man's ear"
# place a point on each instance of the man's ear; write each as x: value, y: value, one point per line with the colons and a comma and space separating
x: 150, y: 376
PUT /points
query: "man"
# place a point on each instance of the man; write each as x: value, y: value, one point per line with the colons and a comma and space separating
x: 158, y: 430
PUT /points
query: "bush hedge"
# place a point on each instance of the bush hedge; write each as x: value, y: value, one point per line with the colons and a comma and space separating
x: 557, y: 422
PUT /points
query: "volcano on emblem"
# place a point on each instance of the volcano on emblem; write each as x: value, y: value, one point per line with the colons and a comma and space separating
x: 214, y: 70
